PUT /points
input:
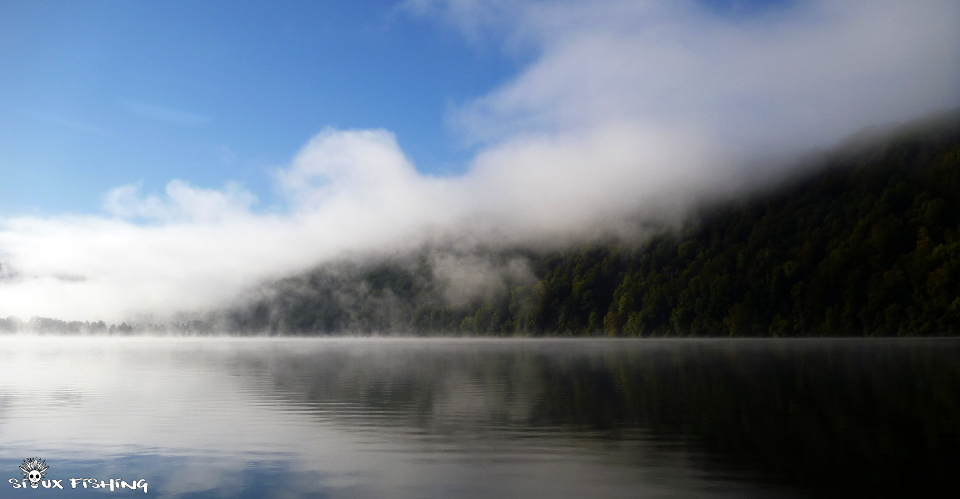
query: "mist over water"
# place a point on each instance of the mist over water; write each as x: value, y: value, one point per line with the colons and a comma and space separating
x: 626, y: 111
x: 485, y: 418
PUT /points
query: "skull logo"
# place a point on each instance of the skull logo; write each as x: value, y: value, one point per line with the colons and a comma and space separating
x: 33, y: 469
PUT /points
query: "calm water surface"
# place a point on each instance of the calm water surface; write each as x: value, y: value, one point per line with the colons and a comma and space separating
x: 367, y: 418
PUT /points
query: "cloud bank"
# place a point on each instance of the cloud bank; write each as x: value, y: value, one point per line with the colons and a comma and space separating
x: 627, y: 108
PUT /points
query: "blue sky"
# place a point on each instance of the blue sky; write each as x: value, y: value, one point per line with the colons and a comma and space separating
x: 100, y: 94
x: 158, y: 157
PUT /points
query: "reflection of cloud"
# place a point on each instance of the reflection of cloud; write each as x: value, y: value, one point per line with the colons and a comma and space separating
x: 166, y: 114
x: 200, y: 415
x: 110, y: 397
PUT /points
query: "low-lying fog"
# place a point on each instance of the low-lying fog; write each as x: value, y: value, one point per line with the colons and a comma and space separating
x: 628, y: 110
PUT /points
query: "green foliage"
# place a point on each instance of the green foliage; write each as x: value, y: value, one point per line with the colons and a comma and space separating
x: 867, y: 246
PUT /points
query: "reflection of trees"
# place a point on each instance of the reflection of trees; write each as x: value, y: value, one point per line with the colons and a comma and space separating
x: 433, y: 385
x: 874, y: 419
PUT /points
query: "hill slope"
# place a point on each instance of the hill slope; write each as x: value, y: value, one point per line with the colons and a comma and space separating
x: 869, y: 245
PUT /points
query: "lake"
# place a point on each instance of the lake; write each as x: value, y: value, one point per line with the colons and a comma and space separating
x: 411, y: 418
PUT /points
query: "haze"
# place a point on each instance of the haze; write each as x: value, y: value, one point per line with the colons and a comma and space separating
x: 616, y: 110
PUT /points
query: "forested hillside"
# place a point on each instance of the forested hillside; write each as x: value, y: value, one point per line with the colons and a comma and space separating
x: 867, y: 245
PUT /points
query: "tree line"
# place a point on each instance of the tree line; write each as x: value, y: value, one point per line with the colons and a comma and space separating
x: 868, y: 245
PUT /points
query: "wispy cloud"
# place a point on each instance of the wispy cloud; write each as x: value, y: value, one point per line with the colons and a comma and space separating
x: 631, y: 107
x: 805, y: 73
x: 73, y: 124
x: 166, y: 114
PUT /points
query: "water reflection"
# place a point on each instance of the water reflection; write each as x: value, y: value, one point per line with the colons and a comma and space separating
x: 446, y: 418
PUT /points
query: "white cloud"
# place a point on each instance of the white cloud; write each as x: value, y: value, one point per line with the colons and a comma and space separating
x: 803, y: 74
x: 349, y: 191
x: 629, y: 107
x: 183, y: 202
